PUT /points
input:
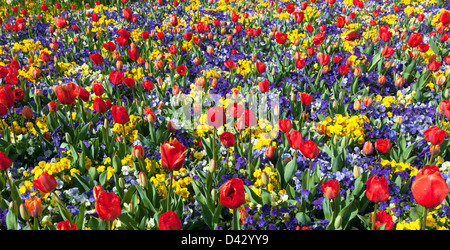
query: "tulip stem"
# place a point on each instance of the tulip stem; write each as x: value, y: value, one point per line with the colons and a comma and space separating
x: 235, y: 218
x: 123, y: 139
x: 424, y: 221
x: 374, y: 215
x: 170, y: 190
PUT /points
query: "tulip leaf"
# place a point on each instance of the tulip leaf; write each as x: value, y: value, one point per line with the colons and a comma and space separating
x: 253, y: 196
x: 11, y: 220
x: 289, y: 170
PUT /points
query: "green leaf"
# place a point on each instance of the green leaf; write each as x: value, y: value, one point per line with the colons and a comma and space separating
x: 289, y: 170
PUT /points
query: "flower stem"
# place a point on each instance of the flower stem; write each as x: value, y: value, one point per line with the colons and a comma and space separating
x: 424, y: 221
x: 374, y: 215
x: 235, y: 218
x: 170, y: 190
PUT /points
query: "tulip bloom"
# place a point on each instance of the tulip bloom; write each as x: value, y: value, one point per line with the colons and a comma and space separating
x: 34, y: 205
x: 377, y: 189
x: 263, y: 86
x: 305, y: 98
x: 444, y: 107
x: 295, y: 139
x: 309, y: 149
x: 100, y: 105
x: 65, y: 225
x: 384, y: 218
x: 116, y: 77
x: 169, y: 221
x: 45, y: 182
x: 281, y: 38
x: 227, y: 139
x: 429, y: 188
x: 415, y: 39
x: 96, y: 58
x: 133, y: 53
x: 109, y: 46
x: 285, y: 125
x: 107, y: 206
x: 261, y: 67
x: 5, y: 161
x: 383, y: 145
x: 353, y: 35
x: 330, y: 189
x: 173, y: 154
x: 6, y: 96
x: 435, y: 135
x: 120, y: 114
x: 60, y: 22
x: 67, y: 93
x: 138, y: 151
x: 232, y: 193
x: 216, y: 116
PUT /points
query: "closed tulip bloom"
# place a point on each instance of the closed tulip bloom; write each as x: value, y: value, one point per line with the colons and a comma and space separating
x: 444, y: 18
x: 96, y: 58
x: 367, y: 148
x: 133, y: 53
x: 216, y: 116
x: 169, y: 221
x: 138, y: 151
x: 120, y: 114
x: 270, y: 152
x: 97, y: 190
x: 263, y: 86
x: 261, y: 67
x: 100, y: 105
x: 429, y: 188
x: 444, y: 107
x: 383, y: 145
x: 232, y: 193
x: 34, y: 205
x: 107, y: 206
x: 6, y: 96
x: 45, y: 182
x: 116, y: 77
x: 434, y: 65
x: 5, y: 161
x: 173, y: 154
x: 227, y: 139
x: 295, y: 139
x: 249, y: 118
x: 236, y: 110
x: 435, y: 135
x: 60, y: 22
x: 377, y: 189
x: 306, y: 99
x: 353, y: 35
x: 330, y: 189
x: 53, y: 106
x: 415, y: 39
x: 309, y: 149
x: 67, y: 93
x: 109, y: 46
x: 285, y: 125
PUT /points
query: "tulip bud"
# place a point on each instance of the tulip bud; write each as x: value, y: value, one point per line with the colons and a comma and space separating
x: 440, y: 80
x: 399, y: 82
x: 356, y: 171
x: 213, y: 194
x: 321, y: 129
x: 143, y: 181
x: 121, y: 182
x: 381, y: 79
x: 24, y: 212
x: 368, y: 148
x: 276, y: 110
x: 399, y: 119
x: 357, y: 72
x: 212, y: 166
x: 264, y: 178
x: 13, y: 206
x: 434, y: 149
x: 270, y: 152
x: 367, y: 101
x: 338, y: 221
x: 357, y: 105
x: 68, y: 138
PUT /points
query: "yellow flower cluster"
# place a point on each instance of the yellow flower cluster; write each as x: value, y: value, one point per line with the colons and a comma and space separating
x: 130, y: 132
x: 180, y: 183
x: 351, y: 126
x: 399, y: 167
x: 51, y: 167
x: 432, y: 223
x: 245, y: 67
x: 272, y: 178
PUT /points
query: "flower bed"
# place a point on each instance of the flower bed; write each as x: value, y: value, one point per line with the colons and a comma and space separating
x: 194, y: 115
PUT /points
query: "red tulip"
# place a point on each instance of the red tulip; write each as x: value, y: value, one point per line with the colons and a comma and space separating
x: 116, y: 77
x: 300, y: 63
x: 384, y: 218
x: 100, y: 105
x: 383, y: 145
x: 388, y: 51
x: 281, y: 38
x: 299, y: 16
x: 127, y: 13
x: 98, y: 88
x: 377, y: 189
x: 263, y: 86
x: 236, y: 110
x: 385, y: 34
x: 429, y: 188
x: 107, y: 206
x: 249, y: 118
x: 45, y: 182
x: 285, y: 125
x: 227, y: 139
x: 181, y: 70
x: 444, y: 106
x: 138, y: 151
x: 83, y: 94
x: 270, y: 152
x: 6, y: 96
x: 125, y: 34
x: 66, y: 93
x: 415, y: 39
x: 169, y: 221
x: 232, y: 193
x: 318, y: 38
x: 434, y: 65
x: 309, y: 149
x: 109, y: 46
x: 353, y: 35
x: 330, y: 189
x: 65, y: 225
x: 295, y: 139
x: 216, y: 116
x: 229, y: 64
x: 173, y: 154
x: 129, y: 82
x: 120, y: 114
x: 148, y: 85
x: 60, y: 22
x: 435, y: 135
x: 187, y: 36
x: 323, y: 59
x: 344, y: 69
x: 133, y: 53
x: 5, y: 161
x: 306, y: 99
x: 44, y: 7
x: 340, y: 22
x: 261, y: 67
x: 444, y: 18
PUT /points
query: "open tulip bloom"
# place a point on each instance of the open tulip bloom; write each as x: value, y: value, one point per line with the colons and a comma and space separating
x: 222, y: 115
